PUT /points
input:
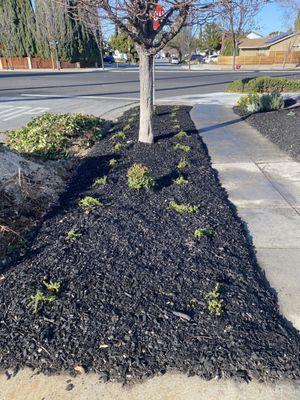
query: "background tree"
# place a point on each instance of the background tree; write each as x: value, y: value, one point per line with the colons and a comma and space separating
x: 59, y: 28
x: 7, y: 31
x: 18, y: 16
x: 237, y: 17
x: 212, y: 37
x: 123, y: 44
x: 135, y: 19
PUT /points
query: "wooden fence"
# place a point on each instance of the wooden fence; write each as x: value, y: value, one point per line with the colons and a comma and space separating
x: 33, y: 63
x: 275, y: 57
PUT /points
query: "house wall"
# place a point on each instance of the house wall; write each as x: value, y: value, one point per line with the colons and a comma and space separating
x: 284, y: 45
x: 292, y: 44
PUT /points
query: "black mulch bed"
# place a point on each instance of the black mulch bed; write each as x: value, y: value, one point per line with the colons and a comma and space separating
x: 282, y: 127
x: 135, y: 267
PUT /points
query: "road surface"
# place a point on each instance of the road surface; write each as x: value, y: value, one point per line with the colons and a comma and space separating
x: 24, y: 95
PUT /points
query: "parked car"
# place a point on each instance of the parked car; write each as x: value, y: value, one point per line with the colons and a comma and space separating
x: 211, y: 59
x: 197, y: 57
x: 108, y: 59
x: 174, y: 60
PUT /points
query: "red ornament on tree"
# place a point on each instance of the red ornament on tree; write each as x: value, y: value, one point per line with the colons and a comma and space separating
x: 158, y: 13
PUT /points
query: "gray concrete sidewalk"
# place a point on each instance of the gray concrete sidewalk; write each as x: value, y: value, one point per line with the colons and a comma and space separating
x: 264, y: 184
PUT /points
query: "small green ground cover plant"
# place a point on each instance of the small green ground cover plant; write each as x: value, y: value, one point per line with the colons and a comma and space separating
x: 73, y: 234
x: 112, y: 162
x: 214, y: 301
x: 100, y: 181
x: 183, y: 208
x: 52, y: 134
x: 181, y: 134
x: 183, y: 164
x: 139, y: 177
x: 180, y: 181
x: 119, y: 135
x: 264, y: 84
x: 88, y: 203
x: 118, y: 146
x: 182, y: 147
x: 45, y: 296
x: 127, y: 127
x: 201, y: 232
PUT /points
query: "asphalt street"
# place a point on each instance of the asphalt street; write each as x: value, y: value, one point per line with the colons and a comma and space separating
x: 24, y: 95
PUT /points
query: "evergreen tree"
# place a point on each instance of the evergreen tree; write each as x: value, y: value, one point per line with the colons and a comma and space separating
x: 59, y: 29
x: 212, y: 37
x: 22, y: 25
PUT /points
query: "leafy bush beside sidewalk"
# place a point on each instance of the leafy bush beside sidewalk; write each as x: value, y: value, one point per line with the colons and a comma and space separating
x: 264, y: 84
x: 55, y: 135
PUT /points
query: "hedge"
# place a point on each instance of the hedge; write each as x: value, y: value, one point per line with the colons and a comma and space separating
x: 264, y: 84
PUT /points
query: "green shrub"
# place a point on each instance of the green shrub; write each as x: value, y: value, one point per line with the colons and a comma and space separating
x: 100, y: 181
x: 182, y: 147
x: 273, y: 101
x: 181, y: 134
x: 200, y: 233
x: 182, y: 163
x: 73, y: 235
x: 51, y: 135
x: 261, y: 103
x: 214, y: 301
x: 249, y: 103
x: 183, y: 208
x: 264, y: 84
x: 112, y: 162
x: 89, y: 203
x: 180, y: 181
x: 139, y: 177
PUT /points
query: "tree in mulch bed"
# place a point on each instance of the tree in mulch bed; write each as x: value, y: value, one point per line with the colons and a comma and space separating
x: 162, y: 277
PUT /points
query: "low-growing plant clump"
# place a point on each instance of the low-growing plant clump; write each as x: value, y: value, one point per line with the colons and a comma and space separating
x: 181, y: 181
x: 139, y: 177
x: 214, y: 301
x: 73, y: 234
x: 88, y: 203
x: 100, y: 181
x: 183, y: 208
x: 181, y: 134
x: 55, y: 135
x: 200, y: 233
x: 112, y: 162
x: 264, y: 84
x: 118, y: 135
x: 182, y: 147
x: 118, y: 146
x: 183, y: 164
x: 47, y: 296
x: 261, y: 103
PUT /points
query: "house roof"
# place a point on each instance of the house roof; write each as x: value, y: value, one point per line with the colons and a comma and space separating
x: 265, y: 42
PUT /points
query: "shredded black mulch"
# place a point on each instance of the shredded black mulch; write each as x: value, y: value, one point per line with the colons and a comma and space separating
x: 133, y: 297
x: 282, y: 127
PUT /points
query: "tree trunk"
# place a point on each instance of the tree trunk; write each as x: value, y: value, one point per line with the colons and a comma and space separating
x: 233, y: 58
x: 146, y: 97
x: 234, y: 53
